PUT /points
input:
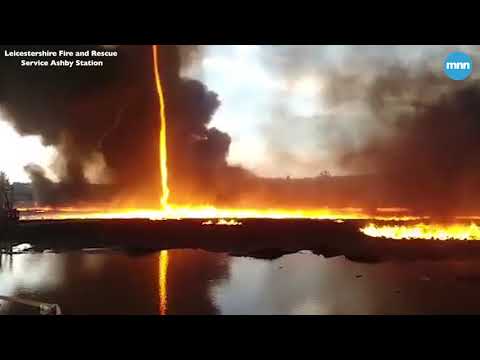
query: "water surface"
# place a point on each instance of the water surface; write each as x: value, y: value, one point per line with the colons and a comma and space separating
x: 200, y: 282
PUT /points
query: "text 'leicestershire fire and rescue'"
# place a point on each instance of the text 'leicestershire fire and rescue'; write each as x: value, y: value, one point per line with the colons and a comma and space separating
x: 61, y: 58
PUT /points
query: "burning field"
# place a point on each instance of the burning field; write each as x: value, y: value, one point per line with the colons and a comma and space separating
x: 140, y: 132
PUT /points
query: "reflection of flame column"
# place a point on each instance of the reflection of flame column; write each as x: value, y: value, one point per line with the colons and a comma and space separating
x: 163, y: 281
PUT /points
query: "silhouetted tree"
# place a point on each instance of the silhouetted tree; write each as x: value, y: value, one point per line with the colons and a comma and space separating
x: 5, y: 188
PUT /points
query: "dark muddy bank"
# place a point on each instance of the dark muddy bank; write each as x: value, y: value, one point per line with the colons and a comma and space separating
x: 259, y: 238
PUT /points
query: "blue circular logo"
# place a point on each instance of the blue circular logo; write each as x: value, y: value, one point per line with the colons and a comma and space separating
x: 458, y: 66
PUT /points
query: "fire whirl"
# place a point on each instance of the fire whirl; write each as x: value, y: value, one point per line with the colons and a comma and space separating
x: 424, y: 231
x: 163, y: 133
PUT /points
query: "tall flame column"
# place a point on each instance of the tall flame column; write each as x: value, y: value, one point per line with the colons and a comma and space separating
x: 163, y: 133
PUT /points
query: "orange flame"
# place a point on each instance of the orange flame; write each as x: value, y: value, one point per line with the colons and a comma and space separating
x: 424, y: 231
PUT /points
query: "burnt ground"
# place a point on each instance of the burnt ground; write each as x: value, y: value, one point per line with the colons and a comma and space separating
x: 259, y: 238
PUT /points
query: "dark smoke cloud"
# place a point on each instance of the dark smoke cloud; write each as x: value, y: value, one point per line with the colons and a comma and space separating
x: 111, y: 114
x: 429, y: 157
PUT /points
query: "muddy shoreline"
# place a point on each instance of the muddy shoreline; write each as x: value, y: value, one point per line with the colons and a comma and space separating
x: 258, y: 238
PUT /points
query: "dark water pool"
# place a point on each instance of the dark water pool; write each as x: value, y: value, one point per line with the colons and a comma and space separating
x: 199, y: 282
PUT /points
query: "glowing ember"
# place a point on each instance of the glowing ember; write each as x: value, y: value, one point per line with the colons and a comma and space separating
x: 222, y: 222
x: 424, y: 231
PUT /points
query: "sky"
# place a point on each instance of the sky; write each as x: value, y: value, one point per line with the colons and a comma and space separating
x: 273, y: 105
x: 261, y: 98
x: 247, y: 90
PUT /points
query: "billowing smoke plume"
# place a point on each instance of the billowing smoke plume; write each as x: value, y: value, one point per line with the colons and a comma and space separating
x: 104, y: 123
x: 427, y: 155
